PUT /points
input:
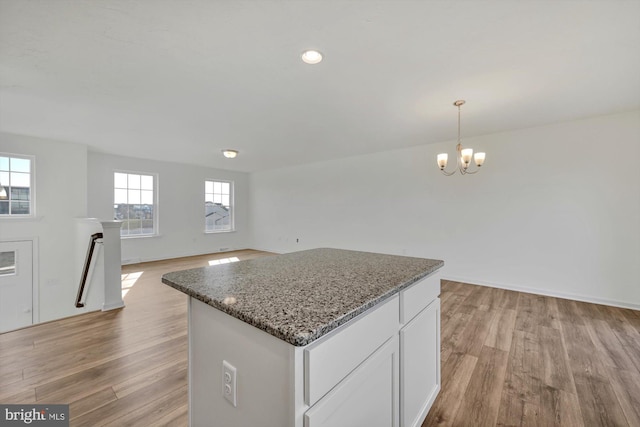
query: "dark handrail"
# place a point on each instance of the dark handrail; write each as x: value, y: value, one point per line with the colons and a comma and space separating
x: 85, y: 270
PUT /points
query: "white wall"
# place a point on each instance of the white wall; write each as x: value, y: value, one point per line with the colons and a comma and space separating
x: 555, y: 210
x: 564, y: 220
x: 61, y: 196
x: 180, y: 207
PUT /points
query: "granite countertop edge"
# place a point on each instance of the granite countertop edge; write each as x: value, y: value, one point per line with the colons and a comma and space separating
x: 303, y: 339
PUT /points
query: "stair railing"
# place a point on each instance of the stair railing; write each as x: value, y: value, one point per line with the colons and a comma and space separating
x: 85, y: 270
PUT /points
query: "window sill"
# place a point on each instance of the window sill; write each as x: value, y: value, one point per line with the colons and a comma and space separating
x: 219, y: 231
x: 21, y: 218
x: 140, y: 236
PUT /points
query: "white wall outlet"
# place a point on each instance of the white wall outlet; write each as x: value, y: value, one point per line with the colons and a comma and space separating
x: 229, y: 382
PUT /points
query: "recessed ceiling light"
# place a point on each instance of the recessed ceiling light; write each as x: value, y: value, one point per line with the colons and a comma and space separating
x: 229, y: 154
x: 311, y: 56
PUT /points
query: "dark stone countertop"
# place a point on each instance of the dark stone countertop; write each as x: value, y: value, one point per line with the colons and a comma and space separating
x: 300, y: 296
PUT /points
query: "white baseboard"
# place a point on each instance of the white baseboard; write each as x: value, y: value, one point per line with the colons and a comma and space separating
x: 130, y: 261
x: 112, y: 306
x: 563, y: 295
x: 279, y: 252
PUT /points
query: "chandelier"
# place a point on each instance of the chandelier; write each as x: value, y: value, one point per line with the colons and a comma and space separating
x: 464, y: 155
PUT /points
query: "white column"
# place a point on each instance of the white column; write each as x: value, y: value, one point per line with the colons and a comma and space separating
x: 112, y: 265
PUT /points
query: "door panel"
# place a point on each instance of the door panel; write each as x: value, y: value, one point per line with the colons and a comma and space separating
x: 16, y: 285
x: 420, y: 365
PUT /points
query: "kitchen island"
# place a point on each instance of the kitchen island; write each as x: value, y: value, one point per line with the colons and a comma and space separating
x: 323, y: 337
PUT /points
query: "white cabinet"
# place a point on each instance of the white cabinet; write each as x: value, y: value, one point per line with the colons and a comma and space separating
x: 362, y: 396
x: 367, y: 397
x: 381, y: 368
x: 331, y: 358
x: 420, y: 365
x: 418, y: 296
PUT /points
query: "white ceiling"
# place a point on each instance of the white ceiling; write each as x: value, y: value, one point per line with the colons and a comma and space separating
x: 181, y: 80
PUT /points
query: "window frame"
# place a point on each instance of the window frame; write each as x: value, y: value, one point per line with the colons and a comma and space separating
x: 156, y: 210
x: 232, y: 208
x: 32, y: 186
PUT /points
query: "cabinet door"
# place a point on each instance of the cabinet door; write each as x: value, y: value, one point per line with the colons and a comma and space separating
x: 367, y: 397
x: 419, y: 365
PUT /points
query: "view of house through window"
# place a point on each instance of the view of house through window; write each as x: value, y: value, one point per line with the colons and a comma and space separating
x: 134, y: 203
x: 16, y: 186
x: 218, y: 206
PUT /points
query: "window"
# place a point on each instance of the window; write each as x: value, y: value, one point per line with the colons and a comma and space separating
x: 8, y: 263
x: 16, y: 185
x: 134, y: 203
x: 218, y: 206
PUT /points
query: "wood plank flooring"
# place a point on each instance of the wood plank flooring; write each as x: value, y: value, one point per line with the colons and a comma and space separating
x: 508, y: 358
x: 119, y: 368
x: 516, y: 359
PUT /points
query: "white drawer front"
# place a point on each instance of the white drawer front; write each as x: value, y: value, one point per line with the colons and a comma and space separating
x: 332, y: 358
x: 418, y: 296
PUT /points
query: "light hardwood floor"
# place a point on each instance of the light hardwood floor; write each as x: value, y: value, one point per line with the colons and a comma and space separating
x: 508, y: 358
x: 120, y: 368
x: 513, y: 359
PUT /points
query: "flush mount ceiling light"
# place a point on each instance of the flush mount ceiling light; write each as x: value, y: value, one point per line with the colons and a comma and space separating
x: 311, y: 57
x: 464, y: 154
x: 230, y: 154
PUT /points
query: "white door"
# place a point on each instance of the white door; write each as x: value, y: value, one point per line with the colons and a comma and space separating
x: 16, y: 284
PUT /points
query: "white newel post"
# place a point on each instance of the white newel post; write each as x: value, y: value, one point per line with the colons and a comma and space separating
x: 112, y: 265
